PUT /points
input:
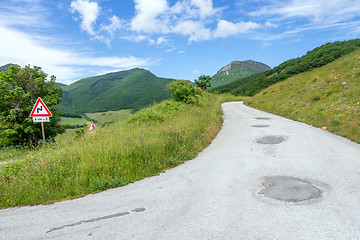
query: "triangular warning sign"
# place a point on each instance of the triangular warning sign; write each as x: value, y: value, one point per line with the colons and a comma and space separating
x: 91, y: 127
x: 40, y: 109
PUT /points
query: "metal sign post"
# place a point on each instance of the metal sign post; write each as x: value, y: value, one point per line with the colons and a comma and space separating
x: 40, y: 113
x: 43, y: 135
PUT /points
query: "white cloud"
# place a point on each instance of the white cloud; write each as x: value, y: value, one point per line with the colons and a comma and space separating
x: 171, y: 50
x: 225, y: 29
x: 115, y: 24
x: 294, y: 17
x: 140, y: 38
x: 89, y: 11
x: 205, y: 7
x: 194, y: 19
x: 186, y: 17
x: 195, y: 30
x: 114, y: 62
x: 67, y: 65
x: 147, y: 16
x: 316, y: 11
x: 158, y: 41
x: 30, y: 14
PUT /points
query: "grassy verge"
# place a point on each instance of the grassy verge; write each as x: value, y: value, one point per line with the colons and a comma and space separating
x: 13, y: 154
x: 327, y: 97
x: 152, y: 140
x: 110, y: 116
x: 73, y: 121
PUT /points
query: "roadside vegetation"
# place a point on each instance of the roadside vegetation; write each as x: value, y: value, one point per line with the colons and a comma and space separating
x: 19, y: 90
x: 151, y: 141
x: 326, y: 97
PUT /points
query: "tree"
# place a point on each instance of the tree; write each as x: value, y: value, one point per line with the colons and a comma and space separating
x: 19, y: 90
x: 184, y: 91
x: 203, y: 82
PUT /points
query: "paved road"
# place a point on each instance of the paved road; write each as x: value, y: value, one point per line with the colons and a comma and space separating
x: 298, y: 182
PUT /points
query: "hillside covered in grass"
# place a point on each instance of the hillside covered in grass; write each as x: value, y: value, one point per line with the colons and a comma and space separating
x: 152, y: 140
x: 131, y: 89
x: 318, y: 57
x: 326, y: 97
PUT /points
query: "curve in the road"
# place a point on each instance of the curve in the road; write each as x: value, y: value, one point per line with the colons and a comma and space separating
x: 304, y: 187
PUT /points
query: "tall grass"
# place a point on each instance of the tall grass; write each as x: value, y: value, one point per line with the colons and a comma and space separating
x: 157, y: 138
x: 326, y: 97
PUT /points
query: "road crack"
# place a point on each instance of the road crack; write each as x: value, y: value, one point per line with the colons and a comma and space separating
x: 120, y: 214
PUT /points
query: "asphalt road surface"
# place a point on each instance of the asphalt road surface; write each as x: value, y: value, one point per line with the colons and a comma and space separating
x: 263, y: 177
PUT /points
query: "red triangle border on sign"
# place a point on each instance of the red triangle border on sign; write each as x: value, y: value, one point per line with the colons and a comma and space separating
x: 92, y: 124
x: 33, y: 114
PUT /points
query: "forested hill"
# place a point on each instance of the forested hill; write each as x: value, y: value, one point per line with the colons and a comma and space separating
x: 318, y: 57
x: 131, y: 89
x: 5, y: 67
x: 236, y: 70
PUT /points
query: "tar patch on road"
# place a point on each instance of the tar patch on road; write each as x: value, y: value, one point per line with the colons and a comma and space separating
x: 271, y: 139
x: 289, y: 189
x: 139, y: 210
x: 262, y: 118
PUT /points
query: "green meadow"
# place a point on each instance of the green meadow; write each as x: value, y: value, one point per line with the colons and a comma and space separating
x: 110, y: 116
x: 76, y: 164
x: 73, y: 121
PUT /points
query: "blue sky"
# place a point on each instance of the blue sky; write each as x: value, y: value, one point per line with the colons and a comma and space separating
x: 181, y: 39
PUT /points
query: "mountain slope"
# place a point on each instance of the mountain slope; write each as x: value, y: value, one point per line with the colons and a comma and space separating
x: 318, y: 57
x: 132, y: 89
x: 5, y: 67
x: 236, y: 70
x: 328, y: 97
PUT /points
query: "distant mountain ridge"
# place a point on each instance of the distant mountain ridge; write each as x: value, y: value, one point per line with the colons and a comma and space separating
x: 236, y: 70
x: 130, y: 89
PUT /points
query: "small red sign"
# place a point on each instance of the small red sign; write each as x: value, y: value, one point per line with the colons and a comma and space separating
x: 40, y: 109
x: 91, y: 127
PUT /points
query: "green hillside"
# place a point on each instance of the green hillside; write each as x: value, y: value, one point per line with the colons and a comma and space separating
x: 328, y: 97
x: 132, y: 89
x: 236, y: 70
x: 60, y: 85
x: 5, y: 67
x: 318, y: 57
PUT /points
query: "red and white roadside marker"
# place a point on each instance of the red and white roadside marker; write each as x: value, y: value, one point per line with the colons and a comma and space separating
x: 92, y: 127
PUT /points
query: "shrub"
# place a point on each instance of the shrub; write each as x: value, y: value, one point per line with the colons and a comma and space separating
x: 184, y: 91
